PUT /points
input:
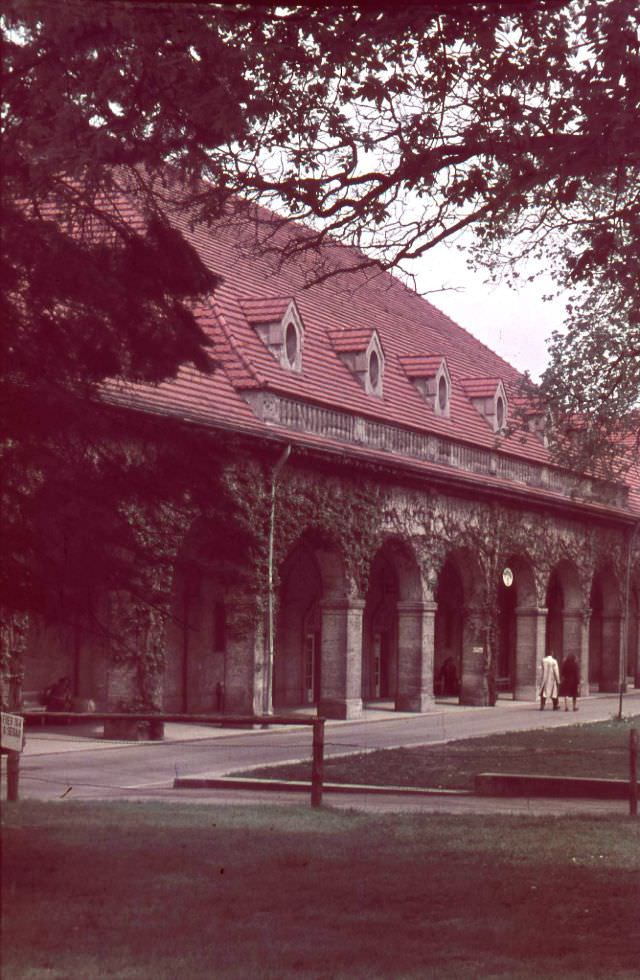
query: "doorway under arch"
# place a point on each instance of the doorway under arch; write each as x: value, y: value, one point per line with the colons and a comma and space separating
x: 380, y: 632
x: 298, y: 660
x: 518, y: 621
x: 448, y: 631
x: 197, y: 634
x: 604, y: 632
x: 397, y: 650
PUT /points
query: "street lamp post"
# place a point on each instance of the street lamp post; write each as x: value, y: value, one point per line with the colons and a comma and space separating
x: 268, y: 681
x: 624, y: 646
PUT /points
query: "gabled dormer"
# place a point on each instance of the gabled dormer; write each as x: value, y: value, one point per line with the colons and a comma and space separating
x: 279, y: 325
x: 532, y: 415
x: 430, y: 376
x: 361, y: 351
x: 490, y: 399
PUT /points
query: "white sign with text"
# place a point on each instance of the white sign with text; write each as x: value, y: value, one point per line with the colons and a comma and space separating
x: 11, y: 731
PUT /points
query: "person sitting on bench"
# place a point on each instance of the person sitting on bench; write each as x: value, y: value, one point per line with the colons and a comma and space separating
x: 58, y: 697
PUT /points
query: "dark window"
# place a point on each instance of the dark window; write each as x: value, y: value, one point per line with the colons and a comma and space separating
x: 500, y: 412
x: 291, y: 344
x: 442, y: 393
x: 374, y: 369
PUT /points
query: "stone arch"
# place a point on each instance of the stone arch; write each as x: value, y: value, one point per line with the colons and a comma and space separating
x: 74, y: 648
x: 518, y: 625
x: 564, y: 604
x: 605, y: 630
x: 566, y: 622
x: 460, y: 628
x: 318, y: 631
x: 296, y: 669
x: 67, y: 635
x: 212, y: 631
x: 397, y: 649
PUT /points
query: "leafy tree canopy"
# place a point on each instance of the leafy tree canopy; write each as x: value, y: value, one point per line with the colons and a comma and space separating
x: 388, y: 127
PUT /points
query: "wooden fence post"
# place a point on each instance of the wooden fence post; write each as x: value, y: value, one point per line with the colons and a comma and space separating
x: 317, y: 767
x: 13, y: 776
x: 633, y: 772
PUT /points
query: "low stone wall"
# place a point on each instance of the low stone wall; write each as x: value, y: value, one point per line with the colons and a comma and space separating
x: 522, y: 784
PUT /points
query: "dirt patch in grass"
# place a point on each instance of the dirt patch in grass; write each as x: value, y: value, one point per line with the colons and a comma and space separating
x: 596, y: 750
x: 139, y: 891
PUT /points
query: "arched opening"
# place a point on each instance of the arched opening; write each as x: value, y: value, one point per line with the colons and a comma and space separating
x: 380, y: 632
x: 198, y: 633
x: 74, y: 649
x: 554, y: 643
x: 318, y: 637
x: 604, y: 633
x: 297, y: 659
x: 397, y: 655
x: 448, y: 631
x: 507, y: 636
x: 564, y: 616
x: 517, y: 623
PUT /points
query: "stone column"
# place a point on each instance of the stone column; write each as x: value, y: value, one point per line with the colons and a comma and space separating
x: 572, y: 634
x: 241, y: 668
x: 575, y: 640
x: 531, y: 622
x: 341, y: 658
x: 611, y: 652
x: 416, y: 622
x: 474, y: 688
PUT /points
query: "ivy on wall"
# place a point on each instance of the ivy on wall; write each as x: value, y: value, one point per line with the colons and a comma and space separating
x: 214, y: 512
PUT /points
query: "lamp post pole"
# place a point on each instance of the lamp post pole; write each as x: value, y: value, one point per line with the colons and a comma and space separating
x: 624, y: 646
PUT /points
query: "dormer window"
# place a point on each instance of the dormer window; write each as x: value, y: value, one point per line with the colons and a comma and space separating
x: 490, y: 399
x: 430, y: 375
x: 362, y: 353
x: 279, y: 326
x: 374, y: 370
x: 443, y: 394
x: 291, y: 344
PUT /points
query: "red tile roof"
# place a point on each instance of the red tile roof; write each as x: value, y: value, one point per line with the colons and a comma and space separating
x: 339, y: 315
x: 480, y: 387
x: 265, y: 310
x: 347, y: 341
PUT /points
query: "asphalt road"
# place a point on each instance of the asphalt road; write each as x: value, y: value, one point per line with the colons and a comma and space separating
x: 64, y: 763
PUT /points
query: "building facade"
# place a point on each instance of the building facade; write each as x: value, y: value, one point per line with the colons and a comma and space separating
x: 394, y: 529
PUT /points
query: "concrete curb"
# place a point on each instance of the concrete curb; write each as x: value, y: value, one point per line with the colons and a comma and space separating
x: 300, y: 786
x: 486, y: 784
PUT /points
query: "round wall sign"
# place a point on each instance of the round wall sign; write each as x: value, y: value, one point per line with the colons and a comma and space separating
x: 507, y: 577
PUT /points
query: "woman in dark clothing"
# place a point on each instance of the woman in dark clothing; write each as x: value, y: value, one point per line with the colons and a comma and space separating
x: 569, y: 681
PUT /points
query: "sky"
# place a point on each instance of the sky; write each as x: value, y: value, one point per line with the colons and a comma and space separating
x: 515, y: 324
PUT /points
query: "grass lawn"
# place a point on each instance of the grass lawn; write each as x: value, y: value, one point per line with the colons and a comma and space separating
x: 598, y: 749
x: 151, y: 891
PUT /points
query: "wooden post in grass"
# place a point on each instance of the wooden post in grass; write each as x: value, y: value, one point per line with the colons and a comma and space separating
x: 13, y: 776
x: 317, y: 765
x: 633, y: 772
x: 12, y: 742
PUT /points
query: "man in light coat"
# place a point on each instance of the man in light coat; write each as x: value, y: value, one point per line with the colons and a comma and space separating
x: 550, y: 683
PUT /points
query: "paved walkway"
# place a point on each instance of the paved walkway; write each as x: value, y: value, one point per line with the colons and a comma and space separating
x: 76, y: 763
